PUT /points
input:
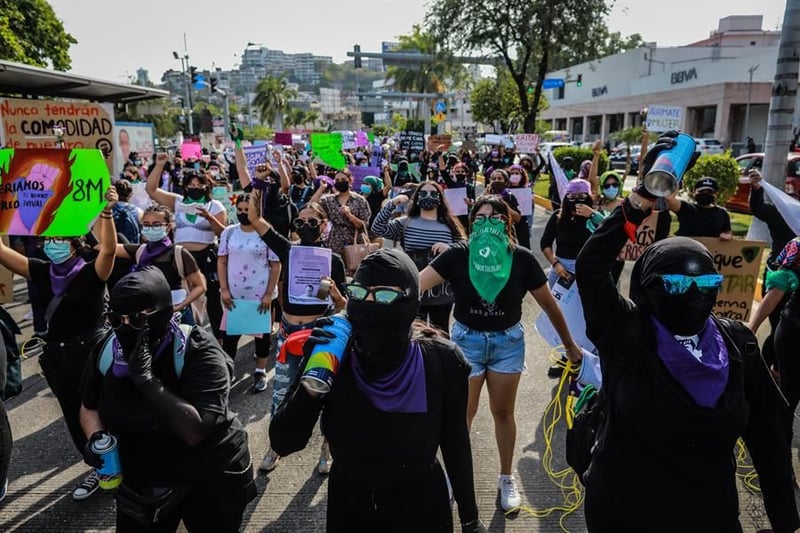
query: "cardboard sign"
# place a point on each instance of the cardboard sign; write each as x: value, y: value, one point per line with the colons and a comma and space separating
x: 413, y: 141
x: 645, y: 236
x: 527, y: 143
x: 29, y: 124
x: 51, y: 192
x: 525, y: 198
x: 434, y: 141
x: 284, y: 139
x: 569, y: 300
x: 133, y: 137
x: 191, y: 150
x: 328, y: 148
x: 739, y: 261
x: 359, y: 173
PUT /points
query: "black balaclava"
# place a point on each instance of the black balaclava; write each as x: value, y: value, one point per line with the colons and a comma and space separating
x: 137, y: 291
x: 382, y: 332
x: 682, y: 314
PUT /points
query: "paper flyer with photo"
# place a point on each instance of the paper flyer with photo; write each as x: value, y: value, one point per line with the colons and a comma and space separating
x: 307, y: 266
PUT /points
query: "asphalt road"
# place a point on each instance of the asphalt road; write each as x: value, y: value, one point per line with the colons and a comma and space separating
x: 45, y: 468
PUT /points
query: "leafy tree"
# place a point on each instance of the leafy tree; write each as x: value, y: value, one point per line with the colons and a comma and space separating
x: 272, y: 100
x: 721, y: 167
x: 497, y: 100
x: 30, y: 33
x: 258, y: 132
x: 528, y: 36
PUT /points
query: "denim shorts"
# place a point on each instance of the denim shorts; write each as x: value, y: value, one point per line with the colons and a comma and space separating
x: 501, y: 351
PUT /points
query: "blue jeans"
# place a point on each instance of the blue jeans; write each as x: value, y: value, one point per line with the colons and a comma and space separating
x: 285, y: 373
x: 501, y: 351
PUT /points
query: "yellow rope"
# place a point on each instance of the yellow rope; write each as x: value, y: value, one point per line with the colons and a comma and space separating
x: 744, y: 470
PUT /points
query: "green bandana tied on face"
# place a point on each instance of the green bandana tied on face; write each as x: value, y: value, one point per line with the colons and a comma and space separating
x: 490, y: 258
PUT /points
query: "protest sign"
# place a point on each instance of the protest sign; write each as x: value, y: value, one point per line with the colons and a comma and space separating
x: 255, y: 155
x: 29, y: 124
x: 190, y: 149
x: 739, y: 261
x: 527, y: 143
x: 524, y: 196
x: 413, y: 141
x: 787, y: 206
x: 328, y: 148
x: 307, y: 266
x: 284, y: 139
x: 566, y: 294
x: 435, y: 141
x: 133, y: 137
x: 51, y: 192
x: 664, y: 118
x: 645, y: 236
x: 362, y: 139
x: 493, y: 139
x: 455, y: 201
x: 348, y: 139
x: 413, y: 169
x: 558, y: 175
x: 245, y: 319
x: 359, y: 173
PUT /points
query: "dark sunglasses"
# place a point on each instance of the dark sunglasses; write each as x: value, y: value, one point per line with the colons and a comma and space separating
x: 681, y: 283
x: 577, y: 197
x: 136, y: 320
x: 610, y: 185
x: 300, y: 223
x: 382, y: 295
x: 428, y: 194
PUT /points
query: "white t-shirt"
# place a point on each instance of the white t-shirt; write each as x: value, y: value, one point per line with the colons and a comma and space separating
x: 248, y: 262
x: 199, y: 230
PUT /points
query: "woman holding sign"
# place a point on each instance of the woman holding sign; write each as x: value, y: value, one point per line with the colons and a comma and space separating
x: 199, y: 221
x: 303, y: 263
x: 348, y: 212
x: 76, y: 289
x: 491, y: 275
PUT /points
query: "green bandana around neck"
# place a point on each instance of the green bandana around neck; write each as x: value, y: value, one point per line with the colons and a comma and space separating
x: 490, y: 258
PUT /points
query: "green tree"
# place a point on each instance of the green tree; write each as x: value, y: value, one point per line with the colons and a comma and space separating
x: 258, y: 132
x: 497, y: 100
x: 272, y: 100
x: 721, y: 167
x: 526, y: 35
x: 30, y: 33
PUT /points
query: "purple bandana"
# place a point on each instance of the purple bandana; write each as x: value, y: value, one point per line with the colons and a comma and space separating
x: 402, y: 391
x: 120, y: 365
x: 62, y: 275
x: 152, y: 250
x: 704, y: 379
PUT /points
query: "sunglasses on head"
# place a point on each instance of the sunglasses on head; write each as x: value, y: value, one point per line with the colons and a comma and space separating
x: 426, y: 194
x: 136, y: 320
x: 681, y: 283
x: 496, y: 218
x: 382, y: 295
x: 300, y: 223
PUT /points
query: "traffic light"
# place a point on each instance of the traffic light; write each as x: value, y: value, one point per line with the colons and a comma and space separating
x: 213, y: 83
x: 195, y: 77
x: 580, y: 80
x: 356, y: 56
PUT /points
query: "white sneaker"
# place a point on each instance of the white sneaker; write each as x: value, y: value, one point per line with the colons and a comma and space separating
x: 28, y: 315
x: 509, y: 495
x: 270, y: 461
x: 88, y: 487
x: 325, y: 460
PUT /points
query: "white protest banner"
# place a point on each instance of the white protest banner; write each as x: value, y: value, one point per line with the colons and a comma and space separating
x: 558, y: 175
x: 455, y: 200
x: 566, y: 294
x: 788, y: 207
x: 493, y: 139
x: 307, y: 266
x: 664, y: 118
x: 527, y: 143
x: 525, y: 198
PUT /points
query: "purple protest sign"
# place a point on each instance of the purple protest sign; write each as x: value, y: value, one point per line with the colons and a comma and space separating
x: 362, y: 139
x: 284, y: 139
x: 255, y: 155
x: 359, y: 173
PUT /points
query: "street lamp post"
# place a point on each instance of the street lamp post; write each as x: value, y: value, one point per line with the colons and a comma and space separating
x: 747, y: 109
x: 184, y: 59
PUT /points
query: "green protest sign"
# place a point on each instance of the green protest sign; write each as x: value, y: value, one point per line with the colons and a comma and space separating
x: 51, y: 192
x: 328, y: 147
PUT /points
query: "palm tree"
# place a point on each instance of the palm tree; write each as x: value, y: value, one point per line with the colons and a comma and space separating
x: 272, y: 100
x: 295, y: 117
x: 312, y: 117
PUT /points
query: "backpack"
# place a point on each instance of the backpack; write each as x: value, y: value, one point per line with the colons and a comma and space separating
x: 126, y: 222
x: 589, y: 424
x: 177, y: 252
x: 106, y: 358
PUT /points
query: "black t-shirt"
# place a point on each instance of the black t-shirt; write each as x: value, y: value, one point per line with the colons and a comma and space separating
x: 280, y: 214
x: 166, y: 264
x: 696, y: 221
x: 281, y: 246
x: 375, y: 201
x: 150, y: 451
x: 472, y: 310
x: 81, y: 309
x: 569, y: 235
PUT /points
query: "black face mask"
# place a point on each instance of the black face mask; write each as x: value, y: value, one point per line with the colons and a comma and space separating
x: 341, y: 186
x: 704, y: 199
x: 381, y: 333
x: 429, y: 203
x: 196, y: 193
x: 497, y: 187
x: 682, y: 314
x: 309, y: 235
x: 297, y: 179
x: 127, y: 338
x: 243, y: 220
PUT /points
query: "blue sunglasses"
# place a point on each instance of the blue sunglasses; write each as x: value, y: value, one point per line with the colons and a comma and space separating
x: 680, y: 283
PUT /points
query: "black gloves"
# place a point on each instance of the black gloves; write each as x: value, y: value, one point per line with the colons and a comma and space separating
x: 474, y: 526
x: 92, y: 459
x: 318, y: 336
x: 140, y: 362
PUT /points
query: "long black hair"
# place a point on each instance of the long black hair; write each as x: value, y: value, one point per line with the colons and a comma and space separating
x: 443, y: 214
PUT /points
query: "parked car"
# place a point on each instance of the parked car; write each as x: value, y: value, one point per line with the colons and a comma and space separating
x: 619, y: 159
x: 708, y: 146
x: 739, y: 202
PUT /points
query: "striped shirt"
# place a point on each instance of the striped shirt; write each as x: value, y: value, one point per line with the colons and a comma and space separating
x: 414, y: 233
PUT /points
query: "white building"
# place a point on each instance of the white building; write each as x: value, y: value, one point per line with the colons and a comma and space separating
x: 708, y: 79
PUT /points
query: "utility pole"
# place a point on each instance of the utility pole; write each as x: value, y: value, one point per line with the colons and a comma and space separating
x: 782, y: 102
x: 747, y: 109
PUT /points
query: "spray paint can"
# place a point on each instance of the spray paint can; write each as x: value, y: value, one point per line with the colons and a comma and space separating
x: 324, y: 361
x: 664, y: 177
x: 111, y: 473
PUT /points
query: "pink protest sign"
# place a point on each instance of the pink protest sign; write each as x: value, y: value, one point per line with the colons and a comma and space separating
x: 362, y: 139
x: 191, y: 149
x: 284, y: 139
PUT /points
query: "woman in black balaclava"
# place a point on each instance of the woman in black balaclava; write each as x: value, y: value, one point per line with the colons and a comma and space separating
x: 682, y: 387
x: 400, y: 394
x: 172, y: 422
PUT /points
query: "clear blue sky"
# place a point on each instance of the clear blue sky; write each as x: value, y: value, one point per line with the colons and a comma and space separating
x: 116, y: 37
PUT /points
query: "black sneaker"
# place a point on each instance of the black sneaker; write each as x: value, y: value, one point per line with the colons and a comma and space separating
x: 259, y: 382
x: 88, y: 487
